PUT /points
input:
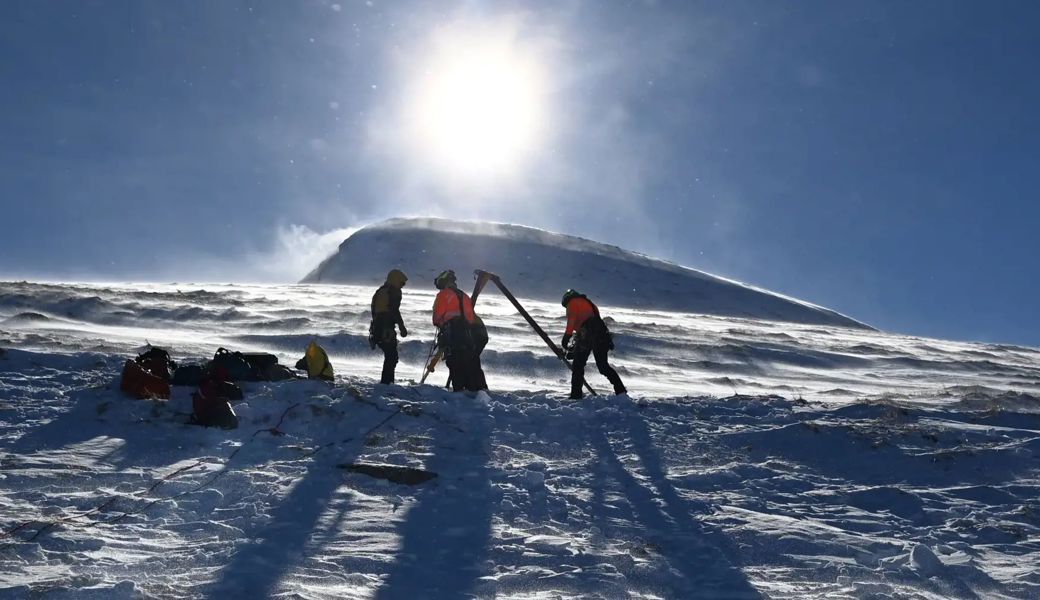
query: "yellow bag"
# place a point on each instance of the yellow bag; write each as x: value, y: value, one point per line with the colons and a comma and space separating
x: 318, y: 365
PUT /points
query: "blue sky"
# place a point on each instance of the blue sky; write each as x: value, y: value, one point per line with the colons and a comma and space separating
x: 878, y: 158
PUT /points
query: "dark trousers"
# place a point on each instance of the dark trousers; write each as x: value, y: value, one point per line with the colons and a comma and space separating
x: 390, y: 358
x: 462, y: 356
x: 477, y: 379
x: 581, y: 356
x: 465, y: 370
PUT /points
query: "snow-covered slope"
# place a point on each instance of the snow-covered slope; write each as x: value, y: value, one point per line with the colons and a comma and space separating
x: 539, y: 264
x: 753, y: 459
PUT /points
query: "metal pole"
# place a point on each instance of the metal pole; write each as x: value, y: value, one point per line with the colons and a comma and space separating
x: 530, y: 321
x: 482, y: 279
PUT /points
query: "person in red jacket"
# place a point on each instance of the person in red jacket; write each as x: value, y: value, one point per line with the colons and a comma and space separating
x: 591, y: 336
x: 453, y: 315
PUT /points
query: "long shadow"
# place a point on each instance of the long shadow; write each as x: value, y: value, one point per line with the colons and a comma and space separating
x: 80, y: 452
x: 258, y: 566
x: 445, y: 534
x: 92, y: 413
x: 696, y: 552
x: 79, y: 422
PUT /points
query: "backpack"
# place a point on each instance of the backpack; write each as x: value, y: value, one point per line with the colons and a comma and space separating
x: 157, y: 362
x: 213, y: 387
x: 211, y: 406
x: 212, y: 412
x: 479, y: 334
x: 594, y: 332
x: 259, y: 361
x: 278, y: 372
x: 141, y: 384
x: 316, y: 362
x: 235, y: 364
x: 456, y: 336
x: 190, y: 375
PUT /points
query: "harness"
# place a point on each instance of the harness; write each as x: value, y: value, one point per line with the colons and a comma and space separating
x: 455, y: 333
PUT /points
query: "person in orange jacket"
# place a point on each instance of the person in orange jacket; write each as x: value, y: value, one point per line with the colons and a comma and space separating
x: 386, y: 314
x: 454, y: 317
x: 591, y: 336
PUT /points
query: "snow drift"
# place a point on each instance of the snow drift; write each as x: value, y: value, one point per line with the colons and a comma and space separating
x: 540, y: 264
x: 755, y: 459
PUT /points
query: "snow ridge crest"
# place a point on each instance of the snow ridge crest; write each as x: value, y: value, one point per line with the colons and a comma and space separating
x: 541, y: 264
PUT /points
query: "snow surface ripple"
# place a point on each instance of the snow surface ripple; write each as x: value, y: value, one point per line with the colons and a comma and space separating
x: 754, y: 459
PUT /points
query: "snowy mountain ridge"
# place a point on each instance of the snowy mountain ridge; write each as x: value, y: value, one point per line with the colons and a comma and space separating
x: 541, y: 264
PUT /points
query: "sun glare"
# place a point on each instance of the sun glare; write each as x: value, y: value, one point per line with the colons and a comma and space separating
x: 477, y: 108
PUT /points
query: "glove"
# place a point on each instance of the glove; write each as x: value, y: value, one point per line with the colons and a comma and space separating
x: 566, y: 341
x: 404, y: 330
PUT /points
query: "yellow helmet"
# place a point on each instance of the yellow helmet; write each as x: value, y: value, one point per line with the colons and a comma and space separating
x: 396, y: 278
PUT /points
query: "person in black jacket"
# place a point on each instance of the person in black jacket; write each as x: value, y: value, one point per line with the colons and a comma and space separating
x: 386, y: 314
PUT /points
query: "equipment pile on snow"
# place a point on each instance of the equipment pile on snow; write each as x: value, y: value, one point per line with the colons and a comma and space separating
x: 148, y: 375
x: 151, y: 374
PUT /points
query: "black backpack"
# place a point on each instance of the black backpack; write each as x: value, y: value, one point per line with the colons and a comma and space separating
x: 190, y: 375
x: 259, y: 361
x: 479, y: 335
x: 157, y: 362
x: 278, y: 372
x: 236, y: 366
x: 212, y: 412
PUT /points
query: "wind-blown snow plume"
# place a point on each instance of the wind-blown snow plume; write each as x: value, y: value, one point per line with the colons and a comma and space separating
x: 296, y: 249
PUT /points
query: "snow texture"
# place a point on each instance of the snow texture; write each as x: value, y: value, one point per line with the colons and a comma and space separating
x: 772, y: 449
x: 753, y: 459
x: 539, y: 264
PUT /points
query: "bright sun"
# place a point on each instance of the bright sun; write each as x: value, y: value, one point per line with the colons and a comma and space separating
x: 477, y: 106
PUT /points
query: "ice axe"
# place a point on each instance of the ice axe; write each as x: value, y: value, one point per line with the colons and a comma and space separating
x: 431, y: 361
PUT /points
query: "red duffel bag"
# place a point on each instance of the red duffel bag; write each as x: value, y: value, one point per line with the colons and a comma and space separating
x: 141, y: 384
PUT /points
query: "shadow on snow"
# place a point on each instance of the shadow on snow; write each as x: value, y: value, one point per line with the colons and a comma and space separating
x: 699, y: 556
x: 257, y: 566
x: 445, y: 535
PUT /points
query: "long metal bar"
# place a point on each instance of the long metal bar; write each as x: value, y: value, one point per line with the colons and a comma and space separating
x: 482, y: 279
x: 530, y: 321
